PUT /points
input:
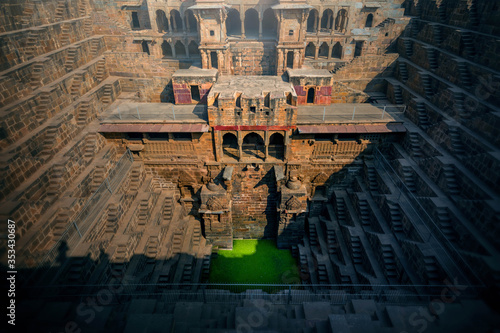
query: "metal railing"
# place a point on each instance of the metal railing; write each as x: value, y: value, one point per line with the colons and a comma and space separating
x: 432, y: 227
x: 87, y: 215
x: 273, y: 293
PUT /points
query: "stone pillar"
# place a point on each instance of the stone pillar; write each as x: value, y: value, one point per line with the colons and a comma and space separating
x: 296, y: 60
x: 173, y: 50
x: 240, y: 146
x: 316, y: 15
x: 170, y: 25
x: 220, y: 60
x: 266, y: 144
x: 316, y: 52
x: 330, y: 48
x: 204, y: 59
x: 187, y: 49
x: 279, y: 64
x: 209, y: 56
x: 260, y: 24
x: 329, y: 23
x: 183, y: 25
x: 242, y: 19
x: 186, y: 20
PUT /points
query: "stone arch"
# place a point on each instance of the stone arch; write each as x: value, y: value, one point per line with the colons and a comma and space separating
x: 323, y: 50
x: 176, y: 20
x: 311, y: 20
x: 230, y: 145
x: 327, y: 19
x: 166, y: 49
x: 311, y: 94
x: 276, y: 147
x: 191, y: 23
x: 233, y: 23
x: 337, y: 51
x: 253, y: 145
x: 369, y: 21
x: 161, y: 21
x: 289, y: 59
x: 269, y: 23
x: 180, y: 49
x: 310, y: 50
x: 251, y: 23
x: 193, y: 49
x: 341, y: 20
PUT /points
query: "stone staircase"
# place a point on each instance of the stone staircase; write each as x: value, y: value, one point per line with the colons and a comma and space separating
x: 31, y: 43
x: 468, y: 43
x: 60, y: 10
x: 396, y: 218
x: 56, y: 177
x: 371, y: 175
x: 341, y: 210
x: 42, y: 109
x: 76, y: 85
x: 451, y: 179
x: 356, y: 250
x: 71, y: 57
x: 107, y: 97
x: 98, y: 177
x: 409, y: 178
x: 456, y: 140
x: 112, y: 219
x: 151, y: 249
x: 398, y: 94
x: 425, y: 79
x: 445, y: 223
x: 431, y: 58
x: 82, y: 116
x: 49, y: 140
x: 389, y: 262
x: 364, y: 213
x: 168, y: 207
x: 423, y: 118
x: 403, y: 71
x: 36, y: 75
x: 101, y: 70
x: 65, y: 34
x: 464, y: 73
x: 177, y: 240
x: 437, y: 33
x: 415, y: 145
x: 408, y: 47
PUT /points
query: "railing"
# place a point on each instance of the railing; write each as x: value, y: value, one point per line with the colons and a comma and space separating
x: 432, y: 227
x: 273, y: 293
x: 349, y: 113
x: 82, y: 222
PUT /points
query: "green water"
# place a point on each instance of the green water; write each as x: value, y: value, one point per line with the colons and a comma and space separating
x: 254, y: 261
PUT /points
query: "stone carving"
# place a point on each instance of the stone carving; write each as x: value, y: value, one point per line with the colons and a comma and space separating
x: 215, y: 204
x: 320, y: 178
x: 293, y: 203
x: 293, y: 183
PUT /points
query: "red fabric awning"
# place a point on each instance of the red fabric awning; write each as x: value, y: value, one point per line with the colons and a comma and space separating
x: 369, y: 128
x: 154, y: 128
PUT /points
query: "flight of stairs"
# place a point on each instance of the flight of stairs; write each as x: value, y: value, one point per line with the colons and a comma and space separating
x: 356, y: 251
x: 409, y: 178
x: 415, y: 146
x: 396, y: 219
x: 389, y: 262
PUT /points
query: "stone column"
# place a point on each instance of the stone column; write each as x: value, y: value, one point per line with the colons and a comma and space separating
x: 186, y: 20
x: 170, y: 25
x: 260, y: 24
x: 173, y: 50
x: 279, y: 63
x: 204, y: 59
x: 296, y: 59
x: 183, y: 25
x: 329, y: 23
x: 330, y: 48
x: 209, y: 56
x: 240, y: 144
x: 316, y: 15
x: 220, y: 60
x: 187, y: 50
x: 242, y: 19
x: 316, y: 52
x: 266, y: 144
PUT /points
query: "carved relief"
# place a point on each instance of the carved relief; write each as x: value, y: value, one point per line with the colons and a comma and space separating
x: 215, y: 204
x: 293, y: 203
x: 320, y: 178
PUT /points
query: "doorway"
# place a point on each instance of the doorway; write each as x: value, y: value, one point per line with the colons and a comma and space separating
x: 310, y: 95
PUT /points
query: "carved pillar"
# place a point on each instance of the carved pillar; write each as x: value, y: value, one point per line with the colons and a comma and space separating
x: 316, y: 52
x: 209, y: 56
x: 330, y: 47
x: 170, y: 25
x: 183, y: 24
x: 187, y: 50
x: 329, y: 23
